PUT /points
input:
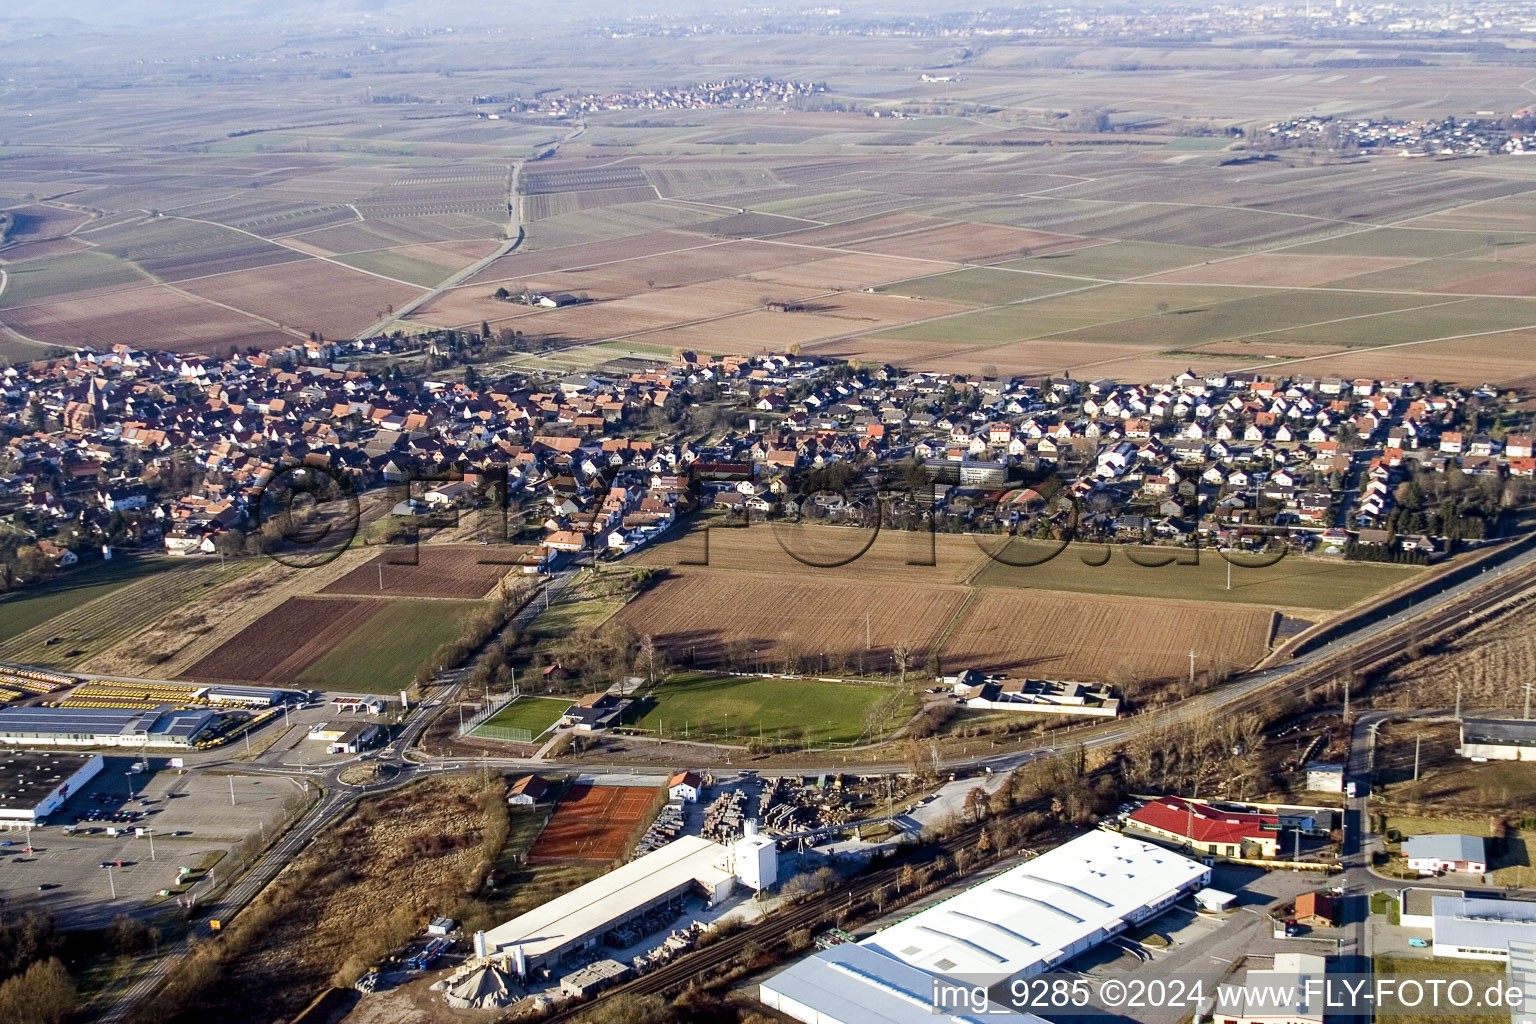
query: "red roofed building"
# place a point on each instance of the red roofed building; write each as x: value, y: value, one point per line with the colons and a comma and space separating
x: 1207, y: 829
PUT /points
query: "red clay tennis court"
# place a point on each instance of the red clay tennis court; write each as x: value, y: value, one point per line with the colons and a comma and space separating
x: 593, y: 823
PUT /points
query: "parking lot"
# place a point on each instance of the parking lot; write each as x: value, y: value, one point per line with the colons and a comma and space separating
x: 1186, y: 943
x: 190, y: 817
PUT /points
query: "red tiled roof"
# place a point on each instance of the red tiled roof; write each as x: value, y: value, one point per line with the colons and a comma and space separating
x: 1201, y: 822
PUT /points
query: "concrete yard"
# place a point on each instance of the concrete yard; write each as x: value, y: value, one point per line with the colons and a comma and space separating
x: 191, y: 817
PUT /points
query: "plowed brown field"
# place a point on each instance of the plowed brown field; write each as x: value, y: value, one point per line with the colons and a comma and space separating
x: 694, y: 614
x: 277, y: 647
x: 1054, y: 635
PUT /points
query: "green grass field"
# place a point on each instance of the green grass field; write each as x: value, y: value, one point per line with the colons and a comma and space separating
x: 1292, y: 582
x: 1348, y: 314
x: 1108, y: 306
x: 382, y: 655
x: 532, y: 713
x: 1117, y: 260
x: 60, y: 275
x: 585, y: 603
x: 23, y: 609
x: 397, y: 266
x: 984, y: 286
x: 1411, y: 242
x: 796, y: 710
x: 1457, y: 317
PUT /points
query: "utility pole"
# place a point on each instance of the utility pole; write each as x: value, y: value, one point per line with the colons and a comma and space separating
x: 868, y: 645
x: 110, y: 883
x: 151, y: 834
x: 1528, y: 684
x: 1458, y: 700
x: 1191, y: 669
x: 1229, y: 574
x: 1417, y: 743
x: 1348, y: 678
x: 231, y: 791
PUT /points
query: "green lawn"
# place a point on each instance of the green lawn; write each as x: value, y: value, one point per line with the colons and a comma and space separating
x: 796, y: 710
x: 382, y: 655
x: 1293, y: 582
x: 532, y: 713
x: 23, y: 609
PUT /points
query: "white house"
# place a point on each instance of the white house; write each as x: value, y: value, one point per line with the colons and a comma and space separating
x: 1432, y: 854
x: 685, y: 786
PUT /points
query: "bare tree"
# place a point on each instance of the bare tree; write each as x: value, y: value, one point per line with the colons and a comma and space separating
x: 902, y: 655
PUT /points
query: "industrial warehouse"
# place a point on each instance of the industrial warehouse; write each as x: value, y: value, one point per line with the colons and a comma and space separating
x: 1029, y: 919
x: 34, y: 784
x: 633, y: 901
x: 162, y: 726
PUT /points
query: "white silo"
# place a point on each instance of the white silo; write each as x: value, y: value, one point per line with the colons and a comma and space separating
x: 756, y: 858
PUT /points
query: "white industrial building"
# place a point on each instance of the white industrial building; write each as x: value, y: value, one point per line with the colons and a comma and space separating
x: 849, y: 984
x: 162, y: 726
x: 1498, y: 739
x: 1026, y: 920
x: 1521, y: 976
x: 1046, y: 911
x: 571, y: 927
x: 35, y: 783
x: 1468, y: 928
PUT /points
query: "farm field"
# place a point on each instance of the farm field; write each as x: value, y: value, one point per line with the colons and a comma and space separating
x: 282, y: 643
x: 735, y: 708
x: 24, y: 609
x: 1503, y: 359
x: 1114, y: 261
x: 971, y: 243
x: 1281, y: 269
x: 156, y: 317
x: 440, y: 570
x: 593, y: 823
x: 1053, y: 635
x: 536, y: 714
x: 97, y: 617
x: 1293, y: 582
x: 767, y: 548
x: 986, y: 286
x: 382, y: 653
x: 704, y: 615
x: 1103, y: 308
x: 27, y: 281
x: 311, y: 296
